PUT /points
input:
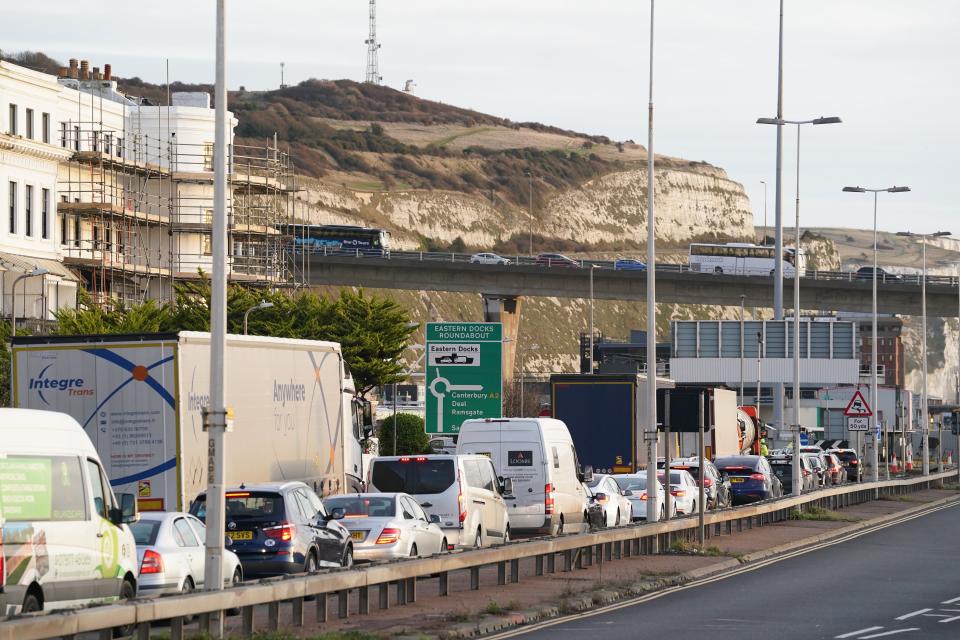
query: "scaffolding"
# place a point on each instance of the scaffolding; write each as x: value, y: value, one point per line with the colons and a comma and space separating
x: 136, y: 213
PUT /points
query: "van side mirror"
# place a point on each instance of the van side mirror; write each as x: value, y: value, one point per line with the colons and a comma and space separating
x: 627, y: 493
x: 367, y: 431
x: 506, y: 486
x: 127, y: 512
x: 586, y: 475
x: 336, y: 513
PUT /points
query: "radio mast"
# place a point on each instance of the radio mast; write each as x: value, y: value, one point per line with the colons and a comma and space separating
x: 373, y: 66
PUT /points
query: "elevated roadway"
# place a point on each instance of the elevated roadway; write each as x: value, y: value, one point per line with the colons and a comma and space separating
x: 675, y: 284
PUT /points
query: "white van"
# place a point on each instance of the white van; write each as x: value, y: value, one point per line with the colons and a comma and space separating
x: 464, y: 491
x: 65, y: 537
x: 538, y: 456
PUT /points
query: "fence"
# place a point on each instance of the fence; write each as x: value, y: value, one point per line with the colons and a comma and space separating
x: 574, y: 551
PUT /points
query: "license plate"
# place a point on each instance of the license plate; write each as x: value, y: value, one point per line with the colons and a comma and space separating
x: 736, y: 480
x: 358, y: 535
x: 240, y: 535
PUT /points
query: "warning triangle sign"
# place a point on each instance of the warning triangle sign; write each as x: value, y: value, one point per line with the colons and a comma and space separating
x: 857, y: 407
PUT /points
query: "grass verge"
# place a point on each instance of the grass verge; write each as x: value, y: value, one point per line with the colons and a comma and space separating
x: 820, y: 514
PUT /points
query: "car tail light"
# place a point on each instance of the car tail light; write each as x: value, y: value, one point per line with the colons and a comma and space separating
x: 601, y: 498
x: 238, y: 494
x: 643, y: 496
x: 152, y: 562
x: 853, y: 462
x: 678, y: 492
x: 548, y: 499
x: 757, y: 476
x: 283, y: 532
x: 405, y: 459
x: 388, y: 536
x: 805, y: 473
x: 708, y: 482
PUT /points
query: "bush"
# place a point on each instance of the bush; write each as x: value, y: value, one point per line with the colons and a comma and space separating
x: 411, y: 436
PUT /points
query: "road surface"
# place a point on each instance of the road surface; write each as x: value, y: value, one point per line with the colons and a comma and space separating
x: 901, y: 582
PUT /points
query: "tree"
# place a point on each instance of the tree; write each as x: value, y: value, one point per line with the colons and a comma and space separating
x: 4, y: 364
x: 411, y: 437
x: 88, y: 318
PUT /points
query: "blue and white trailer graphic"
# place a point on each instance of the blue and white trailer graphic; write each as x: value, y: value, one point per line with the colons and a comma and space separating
x: 141, y: 400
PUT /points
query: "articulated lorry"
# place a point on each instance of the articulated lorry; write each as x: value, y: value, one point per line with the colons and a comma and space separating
x: 142, y: 398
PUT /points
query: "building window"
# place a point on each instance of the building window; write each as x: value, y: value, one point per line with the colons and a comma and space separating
x: 45, y: 125
x: 76, y: 231
x: 12, y: 123
x: 28, y: 210
x: 119, y: 147
x: 96, y: 237
x: 28, y: 116
x: 63, y: 135
x: 45, y: 213
x: 108, y: 238
x: 63, y: 229
x: 76, y: 138
x: 13, y: 207
x: 207, y: 247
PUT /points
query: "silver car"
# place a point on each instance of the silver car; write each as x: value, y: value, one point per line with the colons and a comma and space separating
x: 170, y: 551
x: 385, y: 526
x: 636, y: 484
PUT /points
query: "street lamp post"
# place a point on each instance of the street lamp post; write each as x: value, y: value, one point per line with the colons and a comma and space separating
x: 592, y: 267
x: 650, y: 436
x: 764, y: 183
x: 742, y: 297
x: 529, y: 175
x: 779, y: 122
x: 246, y: 314
x: 924, y: 408
x: 874, y: 393
x: 37, y: 271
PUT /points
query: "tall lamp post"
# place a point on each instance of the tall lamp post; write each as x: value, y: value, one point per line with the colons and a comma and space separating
x: 37, y: 271
x: 924, y: 408
x: 764, y: 183
x: 592, y: 267
x: 874, y: 393
x: 779, y: 122
x: 246, y: 314
x: 529, y: 175
x: 742, y: 297
x: 650, y: 436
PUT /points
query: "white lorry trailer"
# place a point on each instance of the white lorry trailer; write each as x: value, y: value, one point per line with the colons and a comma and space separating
x: 141, y: 399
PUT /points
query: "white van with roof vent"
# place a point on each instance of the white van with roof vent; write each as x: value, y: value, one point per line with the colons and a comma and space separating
x: 538, y: 457
x: 65, y: 536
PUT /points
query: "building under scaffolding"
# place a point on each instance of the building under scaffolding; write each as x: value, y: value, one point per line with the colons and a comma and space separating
x: 136, y: 196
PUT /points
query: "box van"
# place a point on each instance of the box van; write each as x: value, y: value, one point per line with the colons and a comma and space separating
x: 538, y: 457
x: 65, y: 537
x: 464, y: 491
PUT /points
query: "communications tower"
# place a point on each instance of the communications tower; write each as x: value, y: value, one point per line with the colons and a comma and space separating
x: 373, y: 66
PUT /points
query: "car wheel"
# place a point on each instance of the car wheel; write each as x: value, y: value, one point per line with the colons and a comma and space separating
x: 559, y: 527
x: 413, y: 550
x: 478, y: 541
x: 693, y: 509
x: 663, y: 512
x: 347, y: 560
x: 616, y: 522
x: 187, y: 588
x: 506, y: 536
x: 310, y: 565
x: 127, y: 592
x: 31, y: 604
x: 718, y: 270
x: 443, y: 546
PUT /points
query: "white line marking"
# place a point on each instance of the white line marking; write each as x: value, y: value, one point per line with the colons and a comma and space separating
x: 858, y: 632
x: 889, y: 633
x: 951, y: 601
x: 953, y: 619
x: 915, y: 613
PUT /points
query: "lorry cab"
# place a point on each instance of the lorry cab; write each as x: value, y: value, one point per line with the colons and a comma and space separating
x: 538, y: 457
x: 65, y: 539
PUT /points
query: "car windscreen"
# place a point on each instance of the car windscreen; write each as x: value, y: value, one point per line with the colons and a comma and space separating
x: 693, y: 471
x: 784, y: 470
x: 145, y: 531
x: 363, y: 506
x: 737, y: 466
x: 846, y: 457
x: 413, y: 476
x: 675, y: 477
x: 631, y: 483
x: 254, y: 505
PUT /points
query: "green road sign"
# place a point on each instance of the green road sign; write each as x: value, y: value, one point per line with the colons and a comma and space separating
x: 464, y: 373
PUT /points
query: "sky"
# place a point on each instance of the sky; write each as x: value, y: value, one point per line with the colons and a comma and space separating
x: 888, y: 68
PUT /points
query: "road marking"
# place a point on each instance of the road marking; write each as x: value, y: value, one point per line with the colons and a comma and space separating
x: 889, y: 633
x: 856, y: 633
x: 723, y: 576
x: 915, y: 613
x: 953, y: 601
x: 953, y: 619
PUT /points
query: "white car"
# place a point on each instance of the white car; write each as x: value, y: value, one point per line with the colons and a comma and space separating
x: 684, y: 490
x: 170, y: 549
x: 488, y: 258
x: 386, y: 526
x: 617, y: 509
x: 636, y: 484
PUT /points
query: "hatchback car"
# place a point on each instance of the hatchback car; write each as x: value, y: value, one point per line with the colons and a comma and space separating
x: 385, y: 526
x: 835, y: 470
x: 716, y: 489
x: 171, y: 553
x: 819, y: 468
x: 683, y: 488
x: 866, y: 273
x: 783, y: 468
x: 607, y: 493
x: 488, y: 258
x: 281, y: 528
x: 851, y: 463
x: 751, y: 478
x: 629, y: 264
x: 556, y: 260
x: 636, y: 484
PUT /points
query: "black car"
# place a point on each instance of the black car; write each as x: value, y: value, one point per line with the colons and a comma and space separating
x: 783, y: 468
x: 751, y: 478
x: 851, y: 462
x: 556, y: 260
x: 866, y: 273
x: 716, y: 488
x: 279, y: 528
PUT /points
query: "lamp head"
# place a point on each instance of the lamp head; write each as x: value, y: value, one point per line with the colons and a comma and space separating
x: 828, y: 120
x: 769, y: 121
x: 265, y: 305
x: 854, y: 189
x: 898, y: 189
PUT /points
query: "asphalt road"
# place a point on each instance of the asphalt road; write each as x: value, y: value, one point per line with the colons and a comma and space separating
x: 899, y: 582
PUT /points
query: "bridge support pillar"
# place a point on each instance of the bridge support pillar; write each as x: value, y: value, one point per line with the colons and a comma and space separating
x: 506, y: 310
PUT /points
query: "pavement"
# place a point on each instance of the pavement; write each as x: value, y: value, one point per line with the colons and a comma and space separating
x: 828, y: 591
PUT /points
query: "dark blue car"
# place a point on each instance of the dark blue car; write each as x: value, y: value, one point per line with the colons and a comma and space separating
x: 629, y: 264
x: 751, y: 478
x: 280, y: 528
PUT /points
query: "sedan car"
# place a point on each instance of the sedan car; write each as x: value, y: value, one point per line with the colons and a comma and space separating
x: 281, y: 528
x: 866, y: 273
x: 636, y: 484
x: 629, y: 264
x: 684, y: 490
x: 384, y: 526
x: 171, y: 554
x: 556, y: 260
x: 716, y: 489
x: 488, y: 258
x: 751, y: 478
x: 615, y: 505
